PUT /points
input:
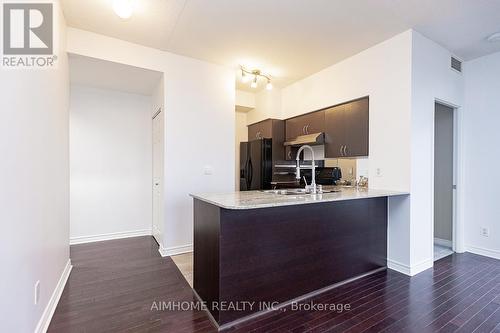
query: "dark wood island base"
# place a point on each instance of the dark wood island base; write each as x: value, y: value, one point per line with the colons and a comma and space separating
x: 248, y: 259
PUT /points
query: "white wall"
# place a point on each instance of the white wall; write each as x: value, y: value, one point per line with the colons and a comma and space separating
x: 34, y: 190
x: 245, y: 99
x: 432, y: 79
x: 241, y: 136
x: 110, y: 163
x: 199, y: 99
x: 267, y: 105
x: 482, y: 137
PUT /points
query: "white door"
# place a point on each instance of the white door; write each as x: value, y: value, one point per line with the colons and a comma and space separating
x: 158, y: 135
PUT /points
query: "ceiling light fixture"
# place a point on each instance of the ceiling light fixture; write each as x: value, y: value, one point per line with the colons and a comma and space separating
x: 257, y: 73
x: 269, y: 85
x: 494, y: 37
x: 124, y: 8
x: 254, y: 82
x: 244, y: 77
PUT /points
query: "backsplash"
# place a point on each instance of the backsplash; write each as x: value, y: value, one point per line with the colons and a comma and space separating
x: 352, y: 168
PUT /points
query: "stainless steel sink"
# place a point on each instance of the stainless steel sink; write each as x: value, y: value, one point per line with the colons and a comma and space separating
x: 296, y: 191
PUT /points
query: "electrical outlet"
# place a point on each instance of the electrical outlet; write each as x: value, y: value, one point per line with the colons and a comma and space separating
x: 37, y: 292
x: 485, y: 232
x: 379, y: 172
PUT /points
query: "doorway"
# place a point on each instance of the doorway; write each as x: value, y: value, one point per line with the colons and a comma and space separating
x: 110, y: 137
x: 444, y: 184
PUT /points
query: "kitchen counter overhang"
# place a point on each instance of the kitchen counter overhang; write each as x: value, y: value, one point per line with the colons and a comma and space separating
x: 262, y: 248
x: 261, y: 199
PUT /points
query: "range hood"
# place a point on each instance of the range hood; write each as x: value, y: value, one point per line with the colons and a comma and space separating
x: 308, y: 139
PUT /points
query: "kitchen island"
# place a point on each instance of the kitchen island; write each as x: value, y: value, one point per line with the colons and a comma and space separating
x: 255, y: 249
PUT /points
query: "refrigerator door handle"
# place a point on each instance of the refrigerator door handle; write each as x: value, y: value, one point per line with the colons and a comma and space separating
x: 250, y: 176
x: 247, y: 174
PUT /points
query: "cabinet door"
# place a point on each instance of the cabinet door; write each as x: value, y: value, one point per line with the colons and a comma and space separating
x: 278, y: 136
x: 294, y: 127
x: 356, y: 125
x: 335, y: 131
x: 253, y: 131
x: 314, y: 122
x: 261, y: 130
x: 266, y: 129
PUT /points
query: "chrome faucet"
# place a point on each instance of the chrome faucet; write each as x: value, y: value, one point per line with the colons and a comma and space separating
x: 313, y: 167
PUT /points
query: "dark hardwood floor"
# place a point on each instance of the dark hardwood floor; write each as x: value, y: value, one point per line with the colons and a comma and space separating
x: 114, y: 285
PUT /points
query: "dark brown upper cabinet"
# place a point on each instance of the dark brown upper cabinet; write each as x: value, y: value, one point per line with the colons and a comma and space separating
x: 346, y: 129
x: 307, y: 124
x: 261, y: 130
x: 270, y: 129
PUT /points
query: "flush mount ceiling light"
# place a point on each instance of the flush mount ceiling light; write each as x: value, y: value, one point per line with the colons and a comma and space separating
x: 254, y: 75
x: 124, y: 8
x: 494, y: 38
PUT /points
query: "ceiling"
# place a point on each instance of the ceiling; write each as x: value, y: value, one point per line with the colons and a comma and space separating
x: 289, y: 39
x: 109, y: 75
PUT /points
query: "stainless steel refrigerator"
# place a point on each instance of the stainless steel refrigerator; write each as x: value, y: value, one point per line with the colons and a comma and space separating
x: 256, y: 165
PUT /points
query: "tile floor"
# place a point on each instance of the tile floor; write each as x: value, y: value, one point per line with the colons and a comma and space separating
x: 441, y: 251
x: 185, y: 264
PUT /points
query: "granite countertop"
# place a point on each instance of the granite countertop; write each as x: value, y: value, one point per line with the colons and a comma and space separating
x: 260, y: 199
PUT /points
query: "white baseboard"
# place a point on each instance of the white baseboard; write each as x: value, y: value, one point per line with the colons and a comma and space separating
x: 174, y: 250
x: 410, y: 270
x: 43, y: 323
x: 483, y: 252
x: 114, y: 235
x: 443, y: 242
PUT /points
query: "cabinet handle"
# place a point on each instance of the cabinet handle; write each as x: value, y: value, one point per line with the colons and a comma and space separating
x: 345, y: 150
x: 289, y: 154
x: 341, y: 150
x: 307, y: 129
x: 304, y: 129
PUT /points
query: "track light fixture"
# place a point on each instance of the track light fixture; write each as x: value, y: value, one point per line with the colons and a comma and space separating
x: 256, y: 73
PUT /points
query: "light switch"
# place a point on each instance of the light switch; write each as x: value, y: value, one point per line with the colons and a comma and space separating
x: 207, y: 170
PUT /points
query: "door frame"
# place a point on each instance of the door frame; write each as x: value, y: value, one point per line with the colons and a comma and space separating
x: 458, y: 244
x: 160, y: 231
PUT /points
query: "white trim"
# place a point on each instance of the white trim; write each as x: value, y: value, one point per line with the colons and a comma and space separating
x: 398, y: 267
x: 410, y: 270
x: 114, y: 235
x: 483, y: 252
x: 443, y: 242
x: 174, y: 250
x: 43, y: 323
